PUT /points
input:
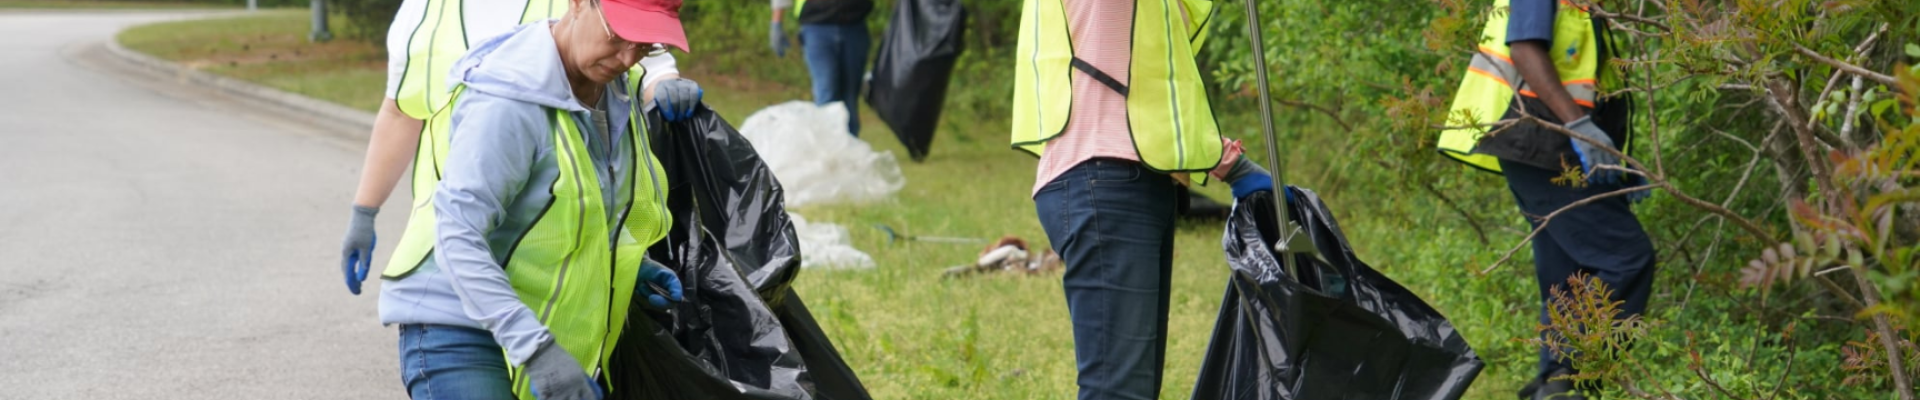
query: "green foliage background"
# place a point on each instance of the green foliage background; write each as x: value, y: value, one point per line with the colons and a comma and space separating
x: 1363, y: 82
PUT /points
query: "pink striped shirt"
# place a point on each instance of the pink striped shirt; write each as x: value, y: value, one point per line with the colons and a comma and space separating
x: 1101, y: 32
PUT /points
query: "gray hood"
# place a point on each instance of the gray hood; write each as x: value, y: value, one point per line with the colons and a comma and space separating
x: 523, y: 64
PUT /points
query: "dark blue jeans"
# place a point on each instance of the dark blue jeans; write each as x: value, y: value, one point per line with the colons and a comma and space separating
x: 1112, y: 222
x: 837, y: 59
x: 451, y: 362
x: 1601, y: 239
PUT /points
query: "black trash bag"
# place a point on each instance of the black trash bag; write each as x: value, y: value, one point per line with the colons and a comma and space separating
x: 741, y: 332
x: 1347, y: 333
x: 917, y: 53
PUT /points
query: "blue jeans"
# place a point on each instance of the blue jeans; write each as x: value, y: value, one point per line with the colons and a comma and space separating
x: 1602, y: 239
x: 837, y: 59
x: 451, y: 362
x: 1112, y: 221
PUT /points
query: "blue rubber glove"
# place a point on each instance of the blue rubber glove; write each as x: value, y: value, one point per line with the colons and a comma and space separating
x: 778, y: 36
x: 1638, y: 196
x: 1247, y: 177
x: 555, y: 375
x: 1592, y: 156
x: 1252, y: 183
x: 659, y: 284
x: 677, y: 98
x: 356, y: 251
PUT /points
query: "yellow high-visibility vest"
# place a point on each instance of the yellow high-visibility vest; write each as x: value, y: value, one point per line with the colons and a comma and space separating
x: 440, y: 39
x: 564, y: 268
x: 1487, y: 91
x: 1168, y: 114
x: 416, y: 243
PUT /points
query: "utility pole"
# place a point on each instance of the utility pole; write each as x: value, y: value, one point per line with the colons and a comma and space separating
x: 253, y: 5
x: 320, y: 32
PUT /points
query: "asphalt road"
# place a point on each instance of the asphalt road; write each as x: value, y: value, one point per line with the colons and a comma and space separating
x: 160, y: 241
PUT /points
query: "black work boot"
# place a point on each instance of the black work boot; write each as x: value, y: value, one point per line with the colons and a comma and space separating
x: 1556, y: 386
x: 1526, y: 392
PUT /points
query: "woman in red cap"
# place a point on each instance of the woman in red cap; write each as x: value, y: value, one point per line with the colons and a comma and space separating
x: 546, y: 203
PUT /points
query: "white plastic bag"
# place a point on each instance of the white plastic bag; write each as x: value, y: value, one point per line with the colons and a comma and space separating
x: 814, y: 157
x: 827, y: 246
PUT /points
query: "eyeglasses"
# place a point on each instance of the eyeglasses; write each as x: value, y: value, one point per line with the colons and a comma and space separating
x: 617, y: 41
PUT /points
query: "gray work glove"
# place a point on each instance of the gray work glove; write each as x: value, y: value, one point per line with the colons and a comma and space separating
x: 778, y: 37
x: 555, y: 375
x: 1593, y: 156
x: 356, y: 251
x: 677, y: 98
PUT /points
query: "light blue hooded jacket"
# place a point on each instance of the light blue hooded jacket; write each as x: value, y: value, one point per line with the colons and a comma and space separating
x: 494, y: 185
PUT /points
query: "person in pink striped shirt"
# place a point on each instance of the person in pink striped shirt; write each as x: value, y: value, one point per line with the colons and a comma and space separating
x: 1110, y: 217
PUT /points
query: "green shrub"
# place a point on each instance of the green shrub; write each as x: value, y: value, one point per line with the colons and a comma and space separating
x: 364, y: 20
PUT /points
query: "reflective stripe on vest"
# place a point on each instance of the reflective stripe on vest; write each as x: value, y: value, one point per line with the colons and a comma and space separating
x: 578, y: 284
x: 1486, y: 93
x: 440, y: 39
x: 1169, y: 117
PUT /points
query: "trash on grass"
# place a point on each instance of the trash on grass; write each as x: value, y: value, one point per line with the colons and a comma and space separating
x: 827, y: 245
x: 1009, y: 255
x: 816, y: 160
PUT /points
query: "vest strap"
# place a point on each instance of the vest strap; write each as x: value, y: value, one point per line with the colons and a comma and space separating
x: 1099, y: 76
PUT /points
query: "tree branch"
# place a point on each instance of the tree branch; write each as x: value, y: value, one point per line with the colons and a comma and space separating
x: 1478, y: 231
x: 1847, y: 117
x: 1749, y: 225
x: 1597, y: 11
x: 1791, y: 351
x: 1548, y: 219
x: 1839, y: 292
x: 1883, y: 79
x: 1846, y: 126
x: 1895, y: 355
x: 1782, y: 97
x: 1653, y: 122
x: 1702, y: 373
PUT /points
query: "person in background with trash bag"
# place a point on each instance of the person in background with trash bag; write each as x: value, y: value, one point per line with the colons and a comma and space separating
x: 1549, y: 41
x: 834, y: 33
x: 547, y: 204
x: 420, y: 51
x: 1116, y: 141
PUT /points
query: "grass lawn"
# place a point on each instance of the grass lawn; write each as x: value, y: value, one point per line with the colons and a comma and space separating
x: 908, y: 333
x: 270, y: 48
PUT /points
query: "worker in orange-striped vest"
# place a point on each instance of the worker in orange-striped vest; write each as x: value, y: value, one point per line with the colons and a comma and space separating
x: 1553, y: 55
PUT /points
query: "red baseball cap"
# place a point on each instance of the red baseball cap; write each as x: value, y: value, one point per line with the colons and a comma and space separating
x: 646, y: 21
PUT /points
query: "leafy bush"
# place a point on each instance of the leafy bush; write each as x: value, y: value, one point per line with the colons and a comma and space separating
x: 1763, y: 123
x: 365, y: 20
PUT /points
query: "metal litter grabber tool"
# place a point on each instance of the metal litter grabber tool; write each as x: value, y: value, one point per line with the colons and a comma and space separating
x: 1293, y: 239
x: 892, y: 236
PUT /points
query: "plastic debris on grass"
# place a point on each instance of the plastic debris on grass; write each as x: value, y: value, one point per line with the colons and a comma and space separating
x: 816, y: 160
x: 825, y: 245
x: 1009, y: 255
